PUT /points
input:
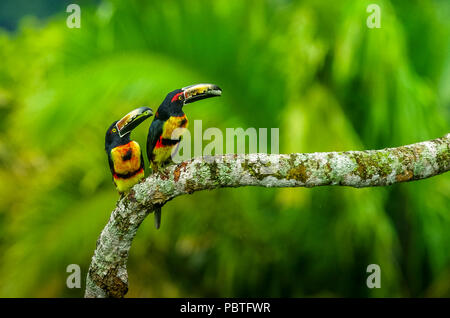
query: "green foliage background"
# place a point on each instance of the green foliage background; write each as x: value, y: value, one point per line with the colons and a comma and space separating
x: 311, y: 68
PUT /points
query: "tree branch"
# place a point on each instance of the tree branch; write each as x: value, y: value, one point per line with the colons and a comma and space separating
x: 108, y: 276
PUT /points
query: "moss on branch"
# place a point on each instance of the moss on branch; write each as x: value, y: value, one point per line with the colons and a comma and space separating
x: 107, y: 275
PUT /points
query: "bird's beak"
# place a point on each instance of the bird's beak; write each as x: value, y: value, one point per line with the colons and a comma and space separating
x: 132, y: 120
x: 200, y: 91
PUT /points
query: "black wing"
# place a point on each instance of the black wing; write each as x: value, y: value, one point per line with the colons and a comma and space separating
x: 142, y: 160
x: 154, y: 132
x: 111, y: 164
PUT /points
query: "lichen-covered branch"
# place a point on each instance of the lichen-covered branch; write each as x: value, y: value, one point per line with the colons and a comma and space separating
x: 107, y: 275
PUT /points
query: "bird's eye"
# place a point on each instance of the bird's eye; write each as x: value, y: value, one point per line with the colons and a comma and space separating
x: 114, y: 130
x: 180, y: 97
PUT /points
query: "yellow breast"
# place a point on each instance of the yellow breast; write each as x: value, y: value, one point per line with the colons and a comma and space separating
x: 126, y: 158
x: 161, y: 155
x: 172, y: 124
x: 125, y: 184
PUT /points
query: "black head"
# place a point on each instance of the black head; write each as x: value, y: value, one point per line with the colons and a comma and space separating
x: 119, y: 132
x: 113, y: 139
x: 172, y: 105
x: 175, y: 100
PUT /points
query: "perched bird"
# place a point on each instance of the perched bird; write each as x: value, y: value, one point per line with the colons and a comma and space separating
x: 161, y: 139
x: 124, y: 155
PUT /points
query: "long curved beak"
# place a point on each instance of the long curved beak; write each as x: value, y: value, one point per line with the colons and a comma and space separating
x: 132, y: 120
x: 200, y: 91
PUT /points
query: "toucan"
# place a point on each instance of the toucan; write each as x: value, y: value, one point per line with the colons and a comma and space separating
x: 163, y: 136
x: 124, y: 155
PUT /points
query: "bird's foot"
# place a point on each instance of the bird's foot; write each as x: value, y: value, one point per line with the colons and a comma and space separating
x: 161, y: 170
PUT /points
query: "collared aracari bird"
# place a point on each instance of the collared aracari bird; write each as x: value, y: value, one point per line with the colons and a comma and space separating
x: 124, y: 155
x: 163, y: 138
